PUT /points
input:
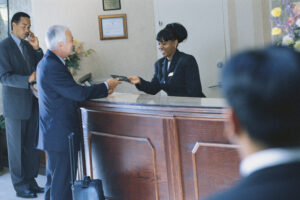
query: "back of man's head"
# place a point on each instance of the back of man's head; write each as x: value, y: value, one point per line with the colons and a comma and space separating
x: 263, y: 89
x: 54, y: 35
x: 17, y: 17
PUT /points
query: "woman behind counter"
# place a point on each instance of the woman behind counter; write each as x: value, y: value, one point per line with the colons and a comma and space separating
x: 176, y: 72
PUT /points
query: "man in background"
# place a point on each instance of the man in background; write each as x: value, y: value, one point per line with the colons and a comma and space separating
x: 262, y: 89
x: 59, y: 95
x: 19, y: 55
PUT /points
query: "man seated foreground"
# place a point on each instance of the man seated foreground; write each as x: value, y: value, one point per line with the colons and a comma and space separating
x: 262, y: 88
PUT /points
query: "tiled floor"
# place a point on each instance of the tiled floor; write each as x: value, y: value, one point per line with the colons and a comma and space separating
x: 7, y: 191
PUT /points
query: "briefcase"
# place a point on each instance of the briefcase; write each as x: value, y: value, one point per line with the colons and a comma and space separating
x: 85, y: 189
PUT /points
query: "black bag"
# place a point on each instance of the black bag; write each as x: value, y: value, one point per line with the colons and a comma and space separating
x: 85, y: 189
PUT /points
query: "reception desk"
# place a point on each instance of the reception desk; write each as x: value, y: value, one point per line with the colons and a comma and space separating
x: 148, y: 147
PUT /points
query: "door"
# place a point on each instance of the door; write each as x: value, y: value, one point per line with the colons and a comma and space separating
x: 204, y: 21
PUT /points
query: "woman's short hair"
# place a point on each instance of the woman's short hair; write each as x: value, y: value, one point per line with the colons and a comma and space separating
x: 173, y: 31
x: 54, y: 35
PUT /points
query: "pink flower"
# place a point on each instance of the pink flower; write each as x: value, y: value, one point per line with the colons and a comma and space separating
x: 291, y: 20
x: 296, y: 9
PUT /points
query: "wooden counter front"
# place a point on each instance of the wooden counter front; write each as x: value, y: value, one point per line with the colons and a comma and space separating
x: 168, y: 148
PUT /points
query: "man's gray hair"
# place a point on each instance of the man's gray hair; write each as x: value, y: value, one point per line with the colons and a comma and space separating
x: 54, y: 35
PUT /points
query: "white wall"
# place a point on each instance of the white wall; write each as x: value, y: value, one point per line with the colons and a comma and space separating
x: 248, y: 24
x: 133, y: 56
x: 19, y: 6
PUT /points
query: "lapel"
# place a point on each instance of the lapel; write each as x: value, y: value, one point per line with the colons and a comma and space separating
x: 164, y: 71
x: 174, y: 61
x: 26, y: 55
x: 173, y: 64
x: 19, y: 56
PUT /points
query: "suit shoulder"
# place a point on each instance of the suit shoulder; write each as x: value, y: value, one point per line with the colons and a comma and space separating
x: 4, y: 43
x: 186, y: 56
x: 235, y: 192
x: 159, y: 61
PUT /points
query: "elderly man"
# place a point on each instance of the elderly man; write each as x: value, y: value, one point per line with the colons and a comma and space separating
x: 262, y: 89
x: 58, y: 96
x: 19, y: 55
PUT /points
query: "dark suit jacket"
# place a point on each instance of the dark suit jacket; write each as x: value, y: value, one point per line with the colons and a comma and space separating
x: 185, y: 80
x: 279, y: 182
x: 16, y: 95
x: 58, y: 96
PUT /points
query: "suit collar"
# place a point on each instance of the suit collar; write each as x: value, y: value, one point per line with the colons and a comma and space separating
x: 16, y: 49
x: 56, y: 57
x: 14, y: 42
x: 164, y: 70
x: 175, y: 55
x: 173, y: 61
x: 268, y: 158
x: 16, y: 39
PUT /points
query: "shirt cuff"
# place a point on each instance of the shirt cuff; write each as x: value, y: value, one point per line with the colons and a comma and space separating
x: 106, y: 85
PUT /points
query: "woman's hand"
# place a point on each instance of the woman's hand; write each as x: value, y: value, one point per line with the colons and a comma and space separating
x: 134, y: 80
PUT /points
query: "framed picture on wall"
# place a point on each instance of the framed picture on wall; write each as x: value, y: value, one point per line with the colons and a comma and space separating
x: 111, y: 4
x: 113, y: 27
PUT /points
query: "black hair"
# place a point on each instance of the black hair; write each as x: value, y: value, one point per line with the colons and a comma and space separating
x: 174, y: 31
x: 263, y: 88
x: 17, y: 16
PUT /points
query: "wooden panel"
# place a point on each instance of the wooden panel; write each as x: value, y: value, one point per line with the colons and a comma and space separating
x: 190, y: 132
x: 127, y: 166
x: 215, y: 167
x: 201, y: 129
x: 121, y: 132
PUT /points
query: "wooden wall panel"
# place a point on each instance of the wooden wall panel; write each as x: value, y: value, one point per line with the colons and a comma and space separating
x: 215, y: 167
x: 127, y: 166
x: 127, y: 130
x: 192, y: 131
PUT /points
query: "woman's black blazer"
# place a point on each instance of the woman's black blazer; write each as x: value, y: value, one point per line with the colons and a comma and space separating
x: 182, y: 78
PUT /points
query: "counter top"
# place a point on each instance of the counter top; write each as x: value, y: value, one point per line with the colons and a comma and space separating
x: 162, y: 101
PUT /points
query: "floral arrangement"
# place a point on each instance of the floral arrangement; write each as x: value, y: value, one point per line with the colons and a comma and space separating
x: 72, y: 61
x: 286, y: 24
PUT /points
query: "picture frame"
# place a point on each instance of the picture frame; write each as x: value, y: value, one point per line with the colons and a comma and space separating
x: 111, y: 5
x: 113, y: 26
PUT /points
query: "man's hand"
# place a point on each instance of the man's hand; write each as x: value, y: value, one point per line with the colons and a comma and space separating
x: 32, y: 77
x: 110, y: 91
x: 134, y: 80
x: 33, y: 41
x: 112, y: 84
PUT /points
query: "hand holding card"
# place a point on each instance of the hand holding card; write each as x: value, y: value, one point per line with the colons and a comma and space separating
x: 121, y: 78
x: 134, y: 80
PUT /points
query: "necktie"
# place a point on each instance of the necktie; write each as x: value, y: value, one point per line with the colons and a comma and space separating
x: 26, y: 56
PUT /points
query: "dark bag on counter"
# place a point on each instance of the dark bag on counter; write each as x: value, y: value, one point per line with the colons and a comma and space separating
x: 85, y: 189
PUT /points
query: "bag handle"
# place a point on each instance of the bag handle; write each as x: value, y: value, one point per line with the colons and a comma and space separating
x: 72, y: 159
